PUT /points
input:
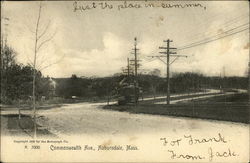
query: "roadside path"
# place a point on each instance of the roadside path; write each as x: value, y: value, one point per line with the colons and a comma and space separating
x: 196, y: 98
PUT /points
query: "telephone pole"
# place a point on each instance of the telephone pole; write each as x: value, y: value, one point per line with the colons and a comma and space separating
x: 128, y: 70
x: 167, y: 53
x: 136, y: 61
x: 136, y: 66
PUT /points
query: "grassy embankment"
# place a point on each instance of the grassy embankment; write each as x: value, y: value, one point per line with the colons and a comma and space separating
x: 233, y: 108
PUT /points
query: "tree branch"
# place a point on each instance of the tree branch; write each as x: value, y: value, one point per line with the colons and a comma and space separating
x: 36, y: 40
x: 28, y: 27
x: 45, y: 41
x: 29, y: 60
x: 52, y: 63
x: 45, y: 30
x: 43, y: 60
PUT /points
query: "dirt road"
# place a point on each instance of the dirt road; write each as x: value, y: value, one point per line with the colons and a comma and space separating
x: 89, y: 119
x: 88, y: 123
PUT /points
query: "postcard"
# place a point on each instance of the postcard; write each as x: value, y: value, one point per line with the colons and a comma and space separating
x: 125, y: 81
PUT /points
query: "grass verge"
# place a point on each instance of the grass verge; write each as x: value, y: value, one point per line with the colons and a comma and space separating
x: 234, y: 108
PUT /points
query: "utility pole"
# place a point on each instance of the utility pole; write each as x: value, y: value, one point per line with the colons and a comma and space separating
x: 168, y: 79
x: 128, y: 68
x: 136, y: 66
x: 135, y: 58
x: 4, y: 35
x: 168, y: 53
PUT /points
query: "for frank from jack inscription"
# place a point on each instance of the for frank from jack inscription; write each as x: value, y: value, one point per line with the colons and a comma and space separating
x: 192, y: 141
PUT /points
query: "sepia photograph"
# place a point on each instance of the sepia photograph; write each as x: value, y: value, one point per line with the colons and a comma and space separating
x: 125, y: 81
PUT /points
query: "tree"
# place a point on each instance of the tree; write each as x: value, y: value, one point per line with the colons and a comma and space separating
x: 155, y: 72
x: 40, y: 41
x: 16, y: 79
x: 74, y: 86
x: 7, y: 60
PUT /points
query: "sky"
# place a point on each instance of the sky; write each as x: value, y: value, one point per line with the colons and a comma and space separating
x: 97, y: 42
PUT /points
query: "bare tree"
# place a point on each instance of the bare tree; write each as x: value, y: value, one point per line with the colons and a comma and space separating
x: 40, y: 40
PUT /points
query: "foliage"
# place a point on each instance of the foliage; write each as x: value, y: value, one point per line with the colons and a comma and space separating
x: 149, y: 84
x: 16, y: 79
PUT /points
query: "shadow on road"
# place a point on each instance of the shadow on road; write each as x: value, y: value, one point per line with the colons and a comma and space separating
x: 23, y: 126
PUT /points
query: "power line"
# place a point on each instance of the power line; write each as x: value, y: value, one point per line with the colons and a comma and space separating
x: 221, y: 33
x: 201, y: 43
x: 226, y: 24
x: 207, y: 40
x: 216, y: 35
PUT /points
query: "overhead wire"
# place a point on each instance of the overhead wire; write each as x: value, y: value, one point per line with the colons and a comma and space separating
x: 223, y: 26
x: 214, y: 37
x: 211, y: 40
x: 220, y: 33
